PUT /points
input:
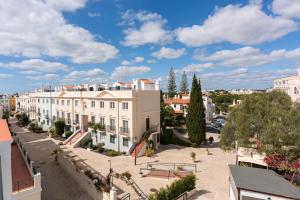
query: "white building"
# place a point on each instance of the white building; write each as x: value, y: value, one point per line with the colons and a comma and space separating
x: 180, y: 104
x: 241, y: 91
x: 126, y: 113
x: 259, y: 184
x: 18, y: 179
x: 290, y: 85
x: 4, y: 102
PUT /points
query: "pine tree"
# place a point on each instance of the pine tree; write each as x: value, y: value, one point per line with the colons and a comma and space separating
x: 196, y: 124
x: 184, y: 83
x: 171, y: 83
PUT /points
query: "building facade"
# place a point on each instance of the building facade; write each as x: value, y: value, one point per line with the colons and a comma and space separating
x: 180, y: 104
x: 126, y: 113
x: 18, y: 179
x: 290, y: 85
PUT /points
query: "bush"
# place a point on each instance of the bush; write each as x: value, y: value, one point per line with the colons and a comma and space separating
x: 149, y: 152
x: 176, y: 188
x: 210, y: 139
x: 98, y: 147
x: 59, y: 127
x: 33, y: 126
x: 68, y: 134
x: 113, y: 153
x: 86, y: 143
x: 168, y: 137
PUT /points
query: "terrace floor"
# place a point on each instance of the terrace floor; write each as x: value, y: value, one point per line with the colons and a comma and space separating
x: 21, y: 177
x: 212, y: 170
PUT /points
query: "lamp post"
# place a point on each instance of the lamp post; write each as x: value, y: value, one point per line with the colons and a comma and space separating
x: 110, y: 173
x: 135, y: 141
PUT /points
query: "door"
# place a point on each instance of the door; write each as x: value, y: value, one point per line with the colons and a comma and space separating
x: 147, y: 123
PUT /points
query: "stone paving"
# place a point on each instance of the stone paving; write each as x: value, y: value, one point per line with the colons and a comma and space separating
x: 56, y: 183
x: 212, y: 170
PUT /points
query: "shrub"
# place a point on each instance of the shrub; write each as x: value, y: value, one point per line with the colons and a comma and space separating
x: 59, y: 127
x: 33, y: 126
x: 68, y: 134
x: 193, y: 156
x: 175, y: 189
x: 113, y: 153
x: 210, y: 139
x: 98, y: 147
x: 149, y: 152
x: 126, y: 175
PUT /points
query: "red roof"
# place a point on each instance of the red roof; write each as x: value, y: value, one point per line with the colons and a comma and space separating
x: 4, y: 131
x: 176, y: 101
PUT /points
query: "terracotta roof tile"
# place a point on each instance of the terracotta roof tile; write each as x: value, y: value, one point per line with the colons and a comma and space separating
x: 4, y: 131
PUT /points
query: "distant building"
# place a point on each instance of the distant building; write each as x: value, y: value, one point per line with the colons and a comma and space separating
x: 126, y: 110
x: 290, y: 85
x: 180, y: 104
x: 7, y: 102
x: 18, y: 179
x: 248, y: 183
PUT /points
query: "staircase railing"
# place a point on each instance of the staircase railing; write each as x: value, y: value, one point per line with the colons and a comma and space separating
x: 133, y: 184
x: 125, y: 197
x: 145, y: 136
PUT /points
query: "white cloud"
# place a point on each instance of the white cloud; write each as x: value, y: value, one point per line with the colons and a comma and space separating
x: 30, y: 72
x: 287, y: 8
x: 168, y: 53
x: 67, y: 5
x: 93, y: 73
x: 194, y: 68
x: 35, y: 28
x: 122, y: 72
x: 36, y: 65
x: 137, y: 59
x: 43, y: 77
x: 151, y: 61
x: 93, y: 14
x: 150, y: 31
x: 4, y: 76
x: 247, y: 56
x: 237, y: 24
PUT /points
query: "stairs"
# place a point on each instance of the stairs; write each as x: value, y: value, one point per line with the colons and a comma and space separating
x: 139, y: 150
x: 76, y: 138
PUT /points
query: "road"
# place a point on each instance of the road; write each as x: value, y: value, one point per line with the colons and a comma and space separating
x: 56, y: 183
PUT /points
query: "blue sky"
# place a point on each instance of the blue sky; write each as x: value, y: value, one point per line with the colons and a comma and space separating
x: 228, y: 44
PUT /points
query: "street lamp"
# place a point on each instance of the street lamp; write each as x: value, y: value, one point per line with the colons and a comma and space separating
x: 135, y: 141
x: 110, y: 174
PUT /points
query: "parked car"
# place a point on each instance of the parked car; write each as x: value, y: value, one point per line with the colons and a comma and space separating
x: 212, y: 129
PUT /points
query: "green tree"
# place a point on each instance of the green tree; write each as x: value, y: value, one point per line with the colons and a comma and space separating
x: 172, y: 83
x: 184, y: 84
x: 268, y: 121
x: 59, y: 127
x: 196, y: 125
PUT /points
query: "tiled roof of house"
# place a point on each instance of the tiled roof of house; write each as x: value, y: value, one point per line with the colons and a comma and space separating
x: 4, y: 131
x: 176, y: 101
x: 147, y: 81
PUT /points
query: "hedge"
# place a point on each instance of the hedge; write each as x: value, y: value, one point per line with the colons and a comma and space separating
x: 59, y: 127
x: 176, y: 188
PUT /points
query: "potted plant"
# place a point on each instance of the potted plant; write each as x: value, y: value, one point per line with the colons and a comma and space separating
x: 193, y: 156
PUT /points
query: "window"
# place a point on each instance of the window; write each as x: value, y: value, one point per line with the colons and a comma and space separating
x: 112, y: 139
x: 125, y: 105
x: 43, y: 101
x: 92, y: 104
x: 69, y: 117
x: 47, y: 122
x: 93, y: 119
x: 38, y: 100
x: 57, y: 114
x: 102, y: 136
x: 68, y: 102
x: 112, y: 123
x: 102, y: 120
x: 76, y: 102
x: 63, y: 115
x: 101, y: 104
x: 62, y: 102
x: 112, y: 105
x: 57, y: 102
x: 52, y: 101
x: 77, y: 118
x: 125, y: 126
x: 125, y: 142
x: 47, y: 101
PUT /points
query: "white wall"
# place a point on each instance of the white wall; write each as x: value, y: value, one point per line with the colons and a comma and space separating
x: 260, y: 195
x: 5, y: 156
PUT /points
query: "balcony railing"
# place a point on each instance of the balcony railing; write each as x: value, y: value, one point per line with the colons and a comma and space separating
x: 124, y: 131
x: 111, y: 129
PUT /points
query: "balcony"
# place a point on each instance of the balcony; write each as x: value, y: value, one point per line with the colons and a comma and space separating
x: 124, y: 131
x: 111, y: 129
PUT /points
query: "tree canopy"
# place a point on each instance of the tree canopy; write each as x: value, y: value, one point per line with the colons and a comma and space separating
x: 172, y: 83
x: 269, y: 122
x: 195, y: 121
x: 184, y: 88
